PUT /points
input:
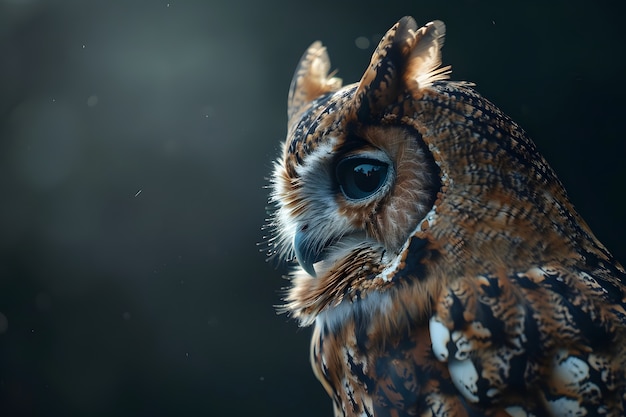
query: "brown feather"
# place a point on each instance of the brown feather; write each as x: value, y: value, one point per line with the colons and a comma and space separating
x: 467, y: 284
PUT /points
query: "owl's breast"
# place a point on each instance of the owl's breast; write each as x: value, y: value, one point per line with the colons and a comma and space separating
x: 371, y: 371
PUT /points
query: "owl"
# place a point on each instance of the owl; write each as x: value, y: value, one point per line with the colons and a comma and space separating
x: 439, y: 261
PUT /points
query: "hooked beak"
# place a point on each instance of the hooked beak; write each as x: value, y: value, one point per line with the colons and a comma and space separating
x: 308, y: 249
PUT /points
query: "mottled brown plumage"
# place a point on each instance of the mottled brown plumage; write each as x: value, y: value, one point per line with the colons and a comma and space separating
x: 443, y: 267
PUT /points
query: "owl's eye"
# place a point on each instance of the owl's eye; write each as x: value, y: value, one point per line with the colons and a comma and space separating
x: 361, y: 177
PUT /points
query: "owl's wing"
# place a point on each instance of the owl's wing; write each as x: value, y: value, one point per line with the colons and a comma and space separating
x: 545, y: 338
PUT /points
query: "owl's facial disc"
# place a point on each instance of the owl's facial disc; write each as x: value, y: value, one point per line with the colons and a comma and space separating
x: 359, y: 179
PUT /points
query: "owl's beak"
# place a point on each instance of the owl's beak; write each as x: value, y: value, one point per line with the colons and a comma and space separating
x: 308, y: 251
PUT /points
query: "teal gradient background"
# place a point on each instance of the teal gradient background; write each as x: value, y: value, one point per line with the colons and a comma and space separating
x: 136, y: 139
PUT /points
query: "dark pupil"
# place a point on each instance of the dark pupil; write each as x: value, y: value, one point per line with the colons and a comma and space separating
x: 359, y: 178
x: 367, y: 177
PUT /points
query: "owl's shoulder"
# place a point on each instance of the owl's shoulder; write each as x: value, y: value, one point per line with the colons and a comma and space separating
x: 551, y: 332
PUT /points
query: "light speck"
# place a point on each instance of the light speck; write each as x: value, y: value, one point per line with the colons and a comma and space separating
x: 137, y: 193
x: 493, y: 22
x: 261, y: 378
x: 362, y: 42
x: 208, y: 111
x: 92, y: 100
x: 83, y: 46
x: 187, y: 354
x: 54, y: 100
x: 168, y: 5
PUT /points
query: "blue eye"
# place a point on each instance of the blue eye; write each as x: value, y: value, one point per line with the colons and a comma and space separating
x: 360, y: 178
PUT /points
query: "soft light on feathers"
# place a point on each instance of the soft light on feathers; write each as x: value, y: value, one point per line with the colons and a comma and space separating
x: 466, y: 284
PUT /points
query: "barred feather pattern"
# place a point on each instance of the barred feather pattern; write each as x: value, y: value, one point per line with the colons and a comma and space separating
x: 465, y: 283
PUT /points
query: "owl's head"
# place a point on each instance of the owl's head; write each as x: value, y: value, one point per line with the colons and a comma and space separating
x: 403, y: 179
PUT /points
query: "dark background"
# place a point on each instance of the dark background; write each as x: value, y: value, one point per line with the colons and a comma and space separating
x: 135, y: 142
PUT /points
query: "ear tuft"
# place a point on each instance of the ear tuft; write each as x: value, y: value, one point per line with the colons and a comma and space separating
x: 407, y: 59
x: 424, y: 62
x: 311, y: 80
